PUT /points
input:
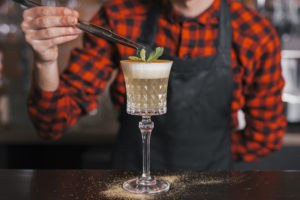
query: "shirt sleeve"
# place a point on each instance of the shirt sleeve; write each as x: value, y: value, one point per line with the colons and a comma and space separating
x: 264, y: 109
x: 85, y: 77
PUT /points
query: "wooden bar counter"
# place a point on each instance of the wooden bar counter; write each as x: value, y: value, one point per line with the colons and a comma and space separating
x: 107, y: 184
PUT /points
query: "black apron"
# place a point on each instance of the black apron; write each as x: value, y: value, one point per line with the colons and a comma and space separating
x: 195, y: 132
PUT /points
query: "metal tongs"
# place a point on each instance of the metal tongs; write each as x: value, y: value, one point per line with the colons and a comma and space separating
x: 92, y: 29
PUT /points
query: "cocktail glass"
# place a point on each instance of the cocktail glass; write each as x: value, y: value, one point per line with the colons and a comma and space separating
x: 146, y: 88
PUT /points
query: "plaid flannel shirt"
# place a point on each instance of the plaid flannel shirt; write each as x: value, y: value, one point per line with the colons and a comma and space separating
x: 255, y: 66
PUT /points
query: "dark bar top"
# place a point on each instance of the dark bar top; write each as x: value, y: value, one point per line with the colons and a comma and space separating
x: 107, y: 184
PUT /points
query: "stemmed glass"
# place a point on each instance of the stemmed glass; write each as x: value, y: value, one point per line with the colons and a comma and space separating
x: 146, y: 88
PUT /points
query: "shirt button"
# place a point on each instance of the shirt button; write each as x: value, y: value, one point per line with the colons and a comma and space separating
x: 186, y: 55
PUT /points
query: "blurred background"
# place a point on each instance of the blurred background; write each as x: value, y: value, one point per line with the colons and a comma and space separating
x: 89, y: 144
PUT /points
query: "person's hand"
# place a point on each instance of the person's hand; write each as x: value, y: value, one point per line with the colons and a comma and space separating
x: 46, y: 27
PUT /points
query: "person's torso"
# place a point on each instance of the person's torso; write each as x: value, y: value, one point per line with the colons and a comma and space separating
x: 189, y: 39
x: 194, y: 133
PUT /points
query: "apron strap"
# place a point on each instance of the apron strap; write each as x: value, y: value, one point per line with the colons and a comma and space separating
x: 150, y: 26
x: 225, y: 29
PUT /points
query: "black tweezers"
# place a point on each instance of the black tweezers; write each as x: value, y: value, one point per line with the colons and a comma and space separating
x: 93, y: 29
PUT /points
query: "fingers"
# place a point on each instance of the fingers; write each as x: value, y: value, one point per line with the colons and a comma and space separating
x: 50, y: 33
x: 45, y: 27
x: 44, y: 45
x: 52, y: 21
x: 47, y: 11
x: 75, y: 13
x: 60, y: 40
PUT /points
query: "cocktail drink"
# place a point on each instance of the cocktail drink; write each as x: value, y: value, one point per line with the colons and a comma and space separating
x: 146, y: 88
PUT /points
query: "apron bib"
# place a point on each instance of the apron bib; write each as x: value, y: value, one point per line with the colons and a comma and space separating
x: 195, y: 132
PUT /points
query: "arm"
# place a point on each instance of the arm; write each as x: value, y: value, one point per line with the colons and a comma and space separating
x: 86, y: 76
x: 264, y: 109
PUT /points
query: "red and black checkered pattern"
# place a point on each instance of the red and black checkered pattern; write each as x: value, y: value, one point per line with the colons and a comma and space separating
x: 255, y: 65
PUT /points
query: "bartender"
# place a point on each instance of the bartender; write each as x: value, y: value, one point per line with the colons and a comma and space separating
x: 226, y: 58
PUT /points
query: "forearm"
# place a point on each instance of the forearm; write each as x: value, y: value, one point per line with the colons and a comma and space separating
x: 46, y: 75
x: 53, y: 112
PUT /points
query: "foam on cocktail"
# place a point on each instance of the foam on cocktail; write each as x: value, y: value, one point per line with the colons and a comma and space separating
x: 147, y: 70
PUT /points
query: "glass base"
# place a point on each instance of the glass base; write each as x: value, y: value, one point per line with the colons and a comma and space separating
x: 146, y: 112
x: 155, y: 187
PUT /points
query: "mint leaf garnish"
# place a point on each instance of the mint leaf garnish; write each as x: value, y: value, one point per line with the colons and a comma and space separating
x: 143, y: 54
x: 155, y: 54
x: 135, y: 58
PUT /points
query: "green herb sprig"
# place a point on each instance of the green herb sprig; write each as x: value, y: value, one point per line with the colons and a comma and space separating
x: 154, y: 55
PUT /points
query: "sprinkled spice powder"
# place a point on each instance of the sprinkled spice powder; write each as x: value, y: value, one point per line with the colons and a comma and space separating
x: 180, y: 183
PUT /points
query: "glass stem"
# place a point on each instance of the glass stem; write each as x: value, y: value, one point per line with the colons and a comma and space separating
x: 146, y: 126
